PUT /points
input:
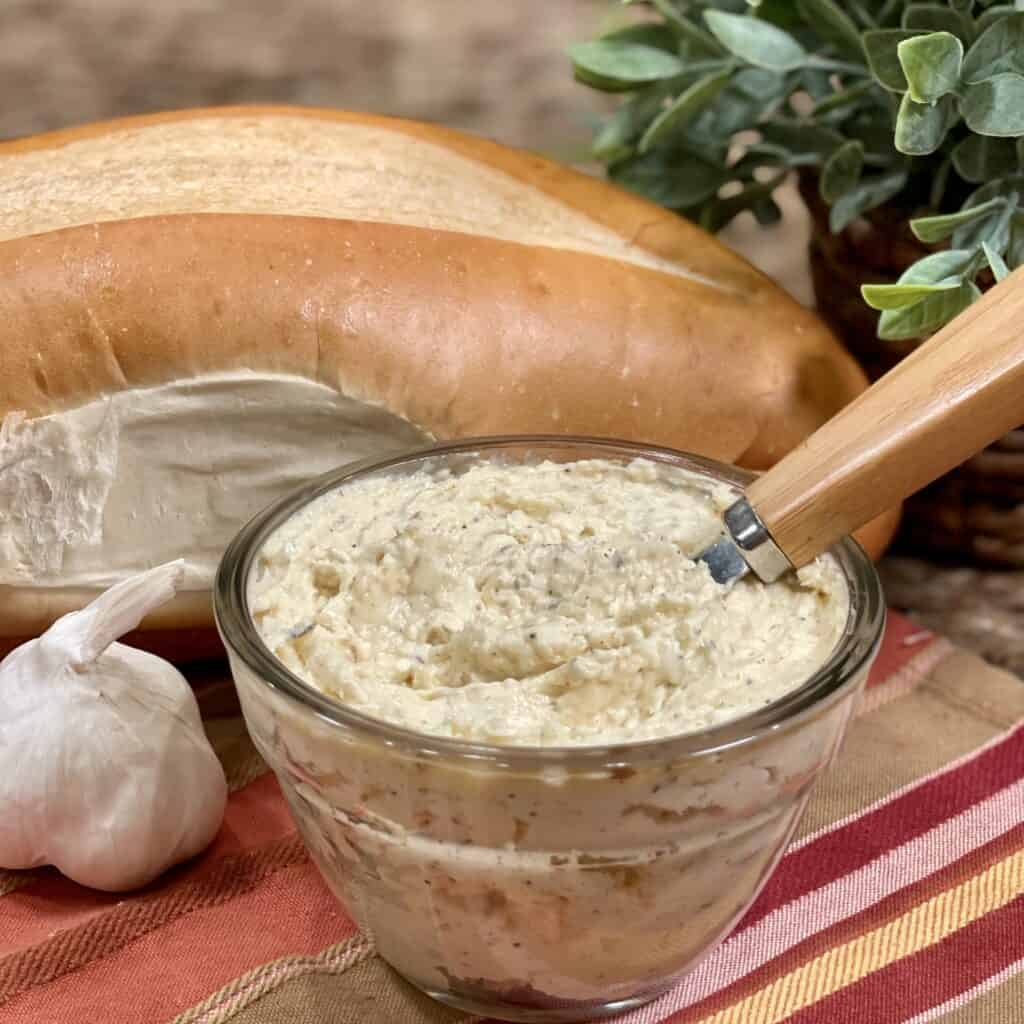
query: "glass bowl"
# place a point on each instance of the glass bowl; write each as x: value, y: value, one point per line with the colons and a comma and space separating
x: 540, y: 883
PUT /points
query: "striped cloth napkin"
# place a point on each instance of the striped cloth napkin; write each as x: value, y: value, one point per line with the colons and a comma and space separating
x: 901, y: 901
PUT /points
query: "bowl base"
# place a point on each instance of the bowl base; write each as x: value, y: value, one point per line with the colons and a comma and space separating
x: 519, y: 1013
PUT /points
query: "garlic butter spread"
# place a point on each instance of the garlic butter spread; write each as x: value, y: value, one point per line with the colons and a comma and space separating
x: 544, y: 604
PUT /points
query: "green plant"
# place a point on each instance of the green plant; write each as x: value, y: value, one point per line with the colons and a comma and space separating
x: 915, y: 105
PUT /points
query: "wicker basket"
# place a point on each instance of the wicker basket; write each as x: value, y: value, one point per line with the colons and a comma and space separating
x: 974, y: 514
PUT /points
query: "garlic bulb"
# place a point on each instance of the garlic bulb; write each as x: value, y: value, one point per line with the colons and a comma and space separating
x: 105, y: 771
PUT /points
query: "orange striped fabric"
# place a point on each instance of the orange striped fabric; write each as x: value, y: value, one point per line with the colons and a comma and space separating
x: 901, y: 902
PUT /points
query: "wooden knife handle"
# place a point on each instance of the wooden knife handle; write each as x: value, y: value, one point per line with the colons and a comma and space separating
x: 960, y: 390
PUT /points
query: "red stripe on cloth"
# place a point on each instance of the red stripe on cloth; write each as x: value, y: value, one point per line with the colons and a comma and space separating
x: 168, y: 970
x: 872, y: 834
x: 849, y: 928
x: 903, y: 640
x: 926, y: 979
x: 255, y: 815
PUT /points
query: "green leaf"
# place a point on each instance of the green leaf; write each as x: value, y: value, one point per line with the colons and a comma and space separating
x: 699, y: 40
x: 995, y: 261
x: 1001, y: 188
x: 869, y: 194
x: 731, y: 112
x: 934, y: 229
x: 927, y: 315
x: 840, y: 101
x: 816, y: 82
x: 987, y: 18
x: 620, y: 66
x: 677, y: 181
x: 685, y: 107
x: 931, y: 65
x: 1000, y: 48
x: 704, y: 134
x: 936, y: 18
x: 875, y: 129
x: 1015, y: 248
x: 718, y: 213
x: 993, y: 228
x: 802, y: 137
x: 889, y: 15
x: 882, y: 49
x: 896, y: 296
x: 767, y: 212
x: 937, y: 267
x: 833, y: 24
x: 861, y: 13
x: 996, y: 106
x: 932, y: 309
x: 980, y: 158
x: 842, y: 171
x: 920, y: 128
x: 760, y: 84
x: 750, y: 95
x: 756, y: 42
x: 762, y: 155
x: 620, y: 132
x: 647, y: 33
x: 613, y: 139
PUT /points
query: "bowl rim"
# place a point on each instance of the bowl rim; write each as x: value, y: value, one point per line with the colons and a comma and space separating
x: 856, y: 649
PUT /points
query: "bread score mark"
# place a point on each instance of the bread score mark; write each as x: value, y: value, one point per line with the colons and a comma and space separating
x: 344, y: 170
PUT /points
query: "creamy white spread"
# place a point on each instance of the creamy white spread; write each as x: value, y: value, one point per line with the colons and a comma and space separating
x: 545, y: 604
x: 143, y: 476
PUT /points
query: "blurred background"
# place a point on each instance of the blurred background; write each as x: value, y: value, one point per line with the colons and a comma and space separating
x: 491, y: 67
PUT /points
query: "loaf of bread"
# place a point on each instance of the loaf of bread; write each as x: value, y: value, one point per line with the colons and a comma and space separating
x: 199, y: 310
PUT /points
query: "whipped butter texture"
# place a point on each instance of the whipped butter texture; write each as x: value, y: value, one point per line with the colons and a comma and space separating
x: 545, y: 604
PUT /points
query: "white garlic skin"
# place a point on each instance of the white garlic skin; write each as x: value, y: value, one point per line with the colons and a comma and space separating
x: 105, y: 771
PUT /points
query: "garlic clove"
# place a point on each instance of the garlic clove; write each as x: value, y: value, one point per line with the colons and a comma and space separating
x: 105, y: 771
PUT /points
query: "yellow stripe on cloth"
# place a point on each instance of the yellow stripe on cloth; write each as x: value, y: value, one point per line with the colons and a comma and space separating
x: 928, y: 923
